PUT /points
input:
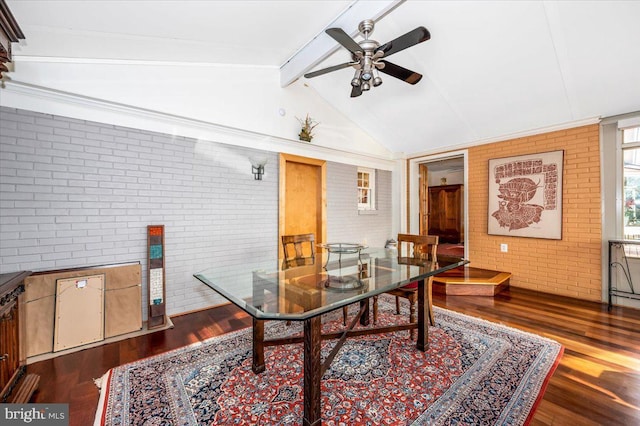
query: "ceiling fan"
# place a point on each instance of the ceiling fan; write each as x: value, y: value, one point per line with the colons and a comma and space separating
x: 367, y: 57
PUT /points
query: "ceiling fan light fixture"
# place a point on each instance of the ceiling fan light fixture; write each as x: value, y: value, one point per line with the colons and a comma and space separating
x: 377, y: 81
x: 355, y: 82
x: 367, y: 68
x: 366, y: 56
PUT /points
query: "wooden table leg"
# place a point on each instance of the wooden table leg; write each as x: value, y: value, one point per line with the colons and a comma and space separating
x: 432, y: 316
x: 423, y: 316
x: 312, y: 371
x: 364, y: 319
x: 258, y: 346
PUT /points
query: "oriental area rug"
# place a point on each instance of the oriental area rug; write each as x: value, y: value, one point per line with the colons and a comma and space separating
x: 475, y: 372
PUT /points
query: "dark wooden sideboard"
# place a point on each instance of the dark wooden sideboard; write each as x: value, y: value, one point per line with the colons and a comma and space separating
x: 16, y: 385
x: 446, y: 213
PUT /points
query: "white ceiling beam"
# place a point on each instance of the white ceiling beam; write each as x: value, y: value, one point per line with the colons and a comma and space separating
x: 321, y: 46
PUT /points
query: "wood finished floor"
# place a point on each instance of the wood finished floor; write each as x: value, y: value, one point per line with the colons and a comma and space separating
x: 596, y: 383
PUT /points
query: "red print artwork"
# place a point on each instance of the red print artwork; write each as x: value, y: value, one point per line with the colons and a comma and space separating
x: 516, y: 191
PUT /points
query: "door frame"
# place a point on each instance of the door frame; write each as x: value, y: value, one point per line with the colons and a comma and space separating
x: 423, y: 199
x: 321, y: 217
x: 413, y: 190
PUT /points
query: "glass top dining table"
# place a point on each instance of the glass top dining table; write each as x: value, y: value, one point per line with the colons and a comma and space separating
x: 312, y: 287
x: 305, y: 289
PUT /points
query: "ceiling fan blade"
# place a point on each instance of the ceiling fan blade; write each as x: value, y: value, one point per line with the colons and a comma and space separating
x: 356, y: 91
x: 403, y: 74
x: 343, y: 38
x: 329, y: 69
x: 411, y: 38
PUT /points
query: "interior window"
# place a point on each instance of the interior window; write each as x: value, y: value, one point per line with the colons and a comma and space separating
x: 366, y: 189
x: 631, y: 182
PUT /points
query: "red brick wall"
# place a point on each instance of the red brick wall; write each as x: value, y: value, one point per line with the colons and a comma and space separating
x: 568, y: 267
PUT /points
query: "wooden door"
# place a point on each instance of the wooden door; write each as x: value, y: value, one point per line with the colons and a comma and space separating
x: 446, y: 213
x: 302, y: 198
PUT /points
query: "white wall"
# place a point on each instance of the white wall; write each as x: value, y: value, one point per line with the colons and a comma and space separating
x: 344, y: 222
x: 77, y: 193
x: 452, y: 177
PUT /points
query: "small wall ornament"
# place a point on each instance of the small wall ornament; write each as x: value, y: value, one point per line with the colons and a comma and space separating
x: 308, y: 124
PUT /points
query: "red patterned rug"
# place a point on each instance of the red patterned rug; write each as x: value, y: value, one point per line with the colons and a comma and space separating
x: 475, y: 372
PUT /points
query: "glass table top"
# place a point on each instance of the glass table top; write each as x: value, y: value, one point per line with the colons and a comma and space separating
x: 316, y: 286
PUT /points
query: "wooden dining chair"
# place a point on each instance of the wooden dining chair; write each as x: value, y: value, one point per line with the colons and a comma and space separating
x: 299, y: 250
x: 420, y: 247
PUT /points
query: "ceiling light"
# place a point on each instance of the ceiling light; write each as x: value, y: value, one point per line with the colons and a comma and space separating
x: 367, y: 68
x: 356, y: 79
x: 377, y: 81
x: 367, y: 54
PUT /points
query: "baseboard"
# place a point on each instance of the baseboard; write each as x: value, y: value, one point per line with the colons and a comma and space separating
x: 141, y: 332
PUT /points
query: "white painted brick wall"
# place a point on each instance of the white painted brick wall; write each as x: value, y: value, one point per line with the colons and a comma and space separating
x: 344, y: 223
x: 76, y: 193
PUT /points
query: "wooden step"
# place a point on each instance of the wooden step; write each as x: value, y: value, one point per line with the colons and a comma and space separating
x: 470, y: 281
x: 27, y: 387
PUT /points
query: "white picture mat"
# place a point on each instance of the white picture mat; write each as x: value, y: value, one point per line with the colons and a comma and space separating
x: 79, y: 311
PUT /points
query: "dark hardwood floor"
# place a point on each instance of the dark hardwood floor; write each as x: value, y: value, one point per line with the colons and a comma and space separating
x: 596, y: 383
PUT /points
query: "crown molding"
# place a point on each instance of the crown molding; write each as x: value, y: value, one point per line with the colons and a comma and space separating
x: 142, y: 62
x: 50, y: 101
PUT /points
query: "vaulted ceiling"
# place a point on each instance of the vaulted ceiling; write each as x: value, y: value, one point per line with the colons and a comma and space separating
x: 491, y: 69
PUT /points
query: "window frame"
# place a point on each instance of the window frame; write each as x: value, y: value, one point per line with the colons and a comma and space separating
x: 623, y: 126
x: 370, y: 205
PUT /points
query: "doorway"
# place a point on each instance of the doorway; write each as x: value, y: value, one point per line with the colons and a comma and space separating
x: 437, y: 200
x: 302, y: 199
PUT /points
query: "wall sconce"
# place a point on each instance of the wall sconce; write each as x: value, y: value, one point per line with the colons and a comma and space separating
x: 257, y: 167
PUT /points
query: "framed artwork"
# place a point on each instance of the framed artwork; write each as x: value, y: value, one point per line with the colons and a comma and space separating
x: 155, y: 276
x: 525, y: 195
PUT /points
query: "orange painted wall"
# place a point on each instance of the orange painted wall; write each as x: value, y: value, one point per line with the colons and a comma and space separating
x: 568, y: 267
